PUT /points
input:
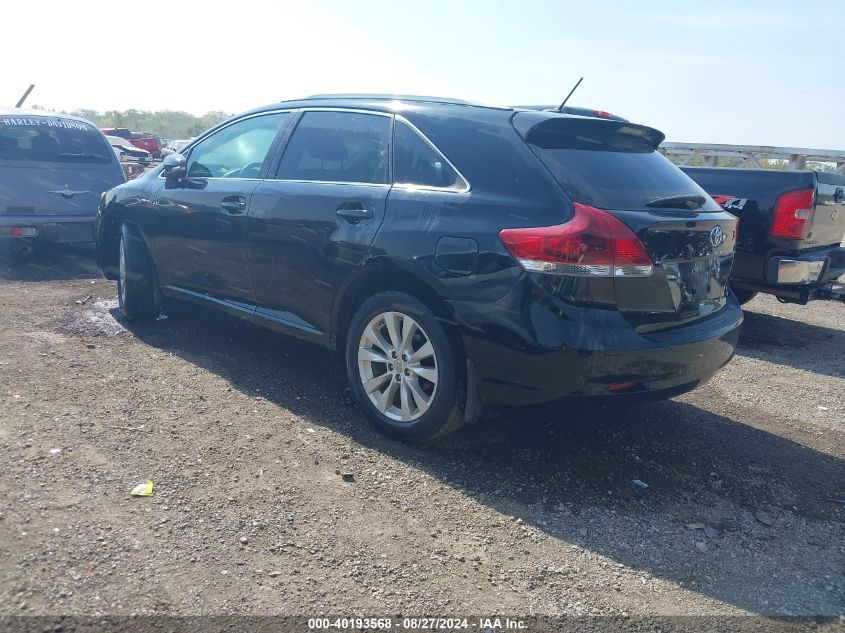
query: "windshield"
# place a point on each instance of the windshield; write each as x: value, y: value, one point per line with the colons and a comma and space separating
x: 610, y: 165
x: 37, y: 139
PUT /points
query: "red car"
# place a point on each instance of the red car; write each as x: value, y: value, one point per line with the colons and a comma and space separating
x: 149, y: 142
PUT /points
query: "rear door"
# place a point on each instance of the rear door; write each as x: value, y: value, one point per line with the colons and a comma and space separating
x: 614, y: 166
x: 201, y: 220
x: 312, y: 221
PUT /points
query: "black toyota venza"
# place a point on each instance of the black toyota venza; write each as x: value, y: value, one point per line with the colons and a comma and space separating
x: 456, y: 256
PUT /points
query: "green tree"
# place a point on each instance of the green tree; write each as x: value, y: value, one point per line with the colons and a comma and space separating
x: 166, y: 123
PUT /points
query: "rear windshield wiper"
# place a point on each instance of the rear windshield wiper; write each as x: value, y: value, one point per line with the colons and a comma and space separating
x: 81, y: 155
x: 691, y: 201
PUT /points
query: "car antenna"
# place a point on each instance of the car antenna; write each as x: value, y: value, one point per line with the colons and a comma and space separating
x: 25, y: 95
x: 574, y: 88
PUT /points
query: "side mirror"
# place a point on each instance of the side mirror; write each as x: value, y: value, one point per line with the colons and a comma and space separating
x: 175, y: 166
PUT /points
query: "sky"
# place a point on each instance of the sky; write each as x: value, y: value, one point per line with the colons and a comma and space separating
x: 769, y: 72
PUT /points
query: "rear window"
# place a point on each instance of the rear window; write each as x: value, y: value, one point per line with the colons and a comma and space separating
x: 36, y: 138
x: 609, y: 164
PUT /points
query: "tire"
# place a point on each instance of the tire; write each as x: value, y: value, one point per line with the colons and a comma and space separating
x: 743, y: 296
x: 136, y: 278
x: 418, y: 401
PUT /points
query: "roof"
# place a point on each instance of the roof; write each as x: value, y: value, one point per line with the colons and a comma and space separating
x: 8, y: 111
x: 395, y: 102
x: 397, y: 97
x: 377, y: 102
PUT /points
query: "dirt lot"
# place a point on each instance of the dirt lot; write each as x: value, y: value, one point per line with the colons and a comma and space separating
x: 244, y: 434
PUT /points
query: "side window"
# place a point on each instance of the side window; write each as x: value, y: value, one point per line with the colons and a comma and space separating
x: 418, y: 163
x: 238, y: 150
x: 338, y: 147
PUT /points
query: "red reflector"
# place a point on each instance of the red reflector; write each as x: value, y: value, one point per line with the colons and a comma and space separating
x: 592, y: 244
x: 792, y: 211
x: 16, y: 231
x: 632, y: 385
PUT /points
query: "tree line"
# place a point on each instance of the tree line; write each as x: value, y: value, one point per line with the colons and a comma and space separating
x: 730, y: 161
x: 171, y: 124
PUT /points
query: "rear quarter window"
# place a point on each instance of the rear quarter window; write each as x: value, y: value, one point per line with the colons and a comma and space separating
x: 416, y: 163
x: 36, y: 138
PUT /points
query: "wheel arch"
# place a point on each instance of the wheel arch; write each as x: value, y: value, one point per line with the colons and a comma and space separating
x: 108, y: 238
x: 383, y: 276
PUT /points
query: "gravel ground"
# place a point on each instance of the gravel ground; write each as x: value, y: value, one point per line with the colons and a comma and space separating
x: 247, y: 436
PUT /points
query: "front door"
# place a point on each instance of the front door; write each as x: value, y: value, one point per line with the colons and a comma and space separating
x: 312, y: 221
x: 199, y: 245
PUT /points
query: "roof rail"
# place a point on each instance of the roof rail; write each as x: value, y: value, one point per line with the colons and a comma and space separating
x: 796, y: 157
x: 403, y: 97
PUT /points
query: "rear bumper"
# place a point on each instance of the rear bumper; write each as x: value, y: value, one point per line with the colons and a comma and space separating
x: 63, y: 229
x: 818, y: 266
x: 597, y: 356
x: 799, y: 277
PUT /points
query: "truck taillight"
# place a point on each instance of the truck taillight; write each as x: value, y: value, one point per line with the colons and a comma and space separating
x: 18, y: 231
x: 592, y: 244
x: 792, y: 211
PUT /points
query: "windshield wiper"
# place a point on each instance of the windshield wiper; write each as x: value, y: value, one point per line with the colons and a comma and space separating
x: 81, y: 155
x: 689, y: 200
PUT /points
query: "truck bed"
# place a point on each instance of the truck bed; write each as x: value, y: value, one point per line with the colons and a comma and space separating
x: 752, y: 195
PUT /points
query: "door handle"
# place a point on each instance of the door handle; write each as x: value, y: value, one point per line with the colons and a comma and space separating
x: 354, y: 213
x: 233, y: 205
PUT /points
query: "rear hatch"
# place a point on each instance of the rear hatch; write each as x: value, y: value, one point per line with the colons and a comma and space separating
x: 613, y: 167
x: 51, y: 166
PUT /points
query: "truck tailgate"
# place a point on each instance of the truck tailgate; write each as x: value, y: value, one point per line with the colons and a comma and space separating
x: 828, y: 221
x: 753, y: 195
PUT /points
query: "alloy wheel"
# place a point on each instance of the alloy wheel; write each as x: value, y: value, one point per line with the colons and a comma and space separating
x: 397, y: 366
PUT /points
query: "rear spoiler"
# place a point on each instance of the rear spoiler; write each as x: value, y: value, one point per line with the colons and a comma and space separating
x: 536, y: 124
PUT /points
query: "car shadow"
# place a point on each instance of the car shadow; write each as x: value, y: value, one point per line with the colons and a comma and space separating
x: 791, y: 343
x: 556, y: 470
x: 49, y: 262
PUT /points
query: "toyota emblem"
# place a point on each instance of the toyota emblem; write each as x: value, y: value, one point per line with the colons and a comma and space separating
x: 717, y: 236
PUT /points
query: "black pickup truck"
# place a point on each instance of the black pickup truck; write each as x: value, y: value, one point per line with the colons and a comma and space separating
x: 791, y: 226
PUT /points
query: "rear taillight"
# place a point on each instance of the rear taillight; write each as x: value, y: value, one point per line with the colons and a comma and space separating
x: 592, y: 244
x: 792, y: 211
x: 18, y: 231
